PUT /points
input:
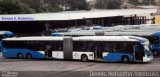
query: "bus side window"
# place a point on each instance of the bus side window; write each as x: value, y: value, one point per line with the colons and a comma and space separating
x: 129, y: 46
x: 1, y: 37
x: 92, y: 47
x: 84, y: 46
x: 121, y: 46
x: 114, y: 46
x: 107, y: 47
x: 60, y: 46
x: 57, y: 46
x: 76, y: 46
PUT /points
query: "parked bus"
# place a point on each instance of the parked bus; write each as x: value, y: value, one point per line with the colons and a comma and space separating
x: 103, y: 48
x: 4, y: 34
x: 152, y: 36
x: 77, y: 33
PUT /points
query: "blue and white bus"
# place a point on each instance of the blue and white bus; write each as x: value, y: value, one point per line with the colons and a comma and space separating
x: 79, y: 29
x: 152, y: 36
x: 103, y: 48
x: 4, y: 34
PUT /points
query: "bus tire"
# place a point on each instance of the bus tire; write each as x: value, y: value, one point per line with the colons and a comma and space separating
x: 125, y: 59
x: 19, y: 55
x: 28, y: 56
x: 155, y: 52
x: 84, y: 58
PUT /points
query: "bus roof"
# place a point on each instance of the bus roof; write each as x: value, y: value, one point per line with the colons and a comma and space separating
x: 6, y: 33
x: 82, y: 38
x: 135, y: 33
x: 42, y: 38
x: 149, y: 27
x: 127, y: 32
x: 111, y: 38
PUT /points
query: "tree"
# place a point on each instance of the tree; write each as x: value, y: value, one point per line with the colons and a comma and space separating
x: 114, y: 4
x: 70, y: 4
x: 60, y: 4
x: 14, y: 7
x: 108, y: 4
x: 157, y: 2
x: 101, y: 4
x: 35, y: 4
x: 142, y: 2
x: 43, y: 5
x: 52, y: 8
x: 78, y: 4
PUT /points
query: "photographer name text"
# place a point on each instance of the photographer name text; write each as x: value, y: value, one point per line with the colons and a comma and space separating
x: 16, y: 18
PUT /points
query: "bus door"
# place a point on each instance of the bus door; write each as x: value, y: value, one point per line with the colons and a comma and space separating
x: 98, y: 51
x: 48, y: 52
x: 138, y: 52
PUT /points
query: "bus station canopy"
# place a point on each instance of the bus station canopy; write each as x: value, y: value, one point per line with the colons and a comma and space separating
x: 75, y: 15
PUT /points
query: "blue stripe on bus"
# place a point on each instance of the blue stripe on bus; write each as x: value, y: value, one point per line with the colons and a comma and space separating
x: 116, y: 56
x: 12, y: 53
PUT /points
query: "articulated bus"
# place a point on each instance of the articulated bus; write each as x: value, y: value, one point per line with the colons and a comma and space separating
x: 98, y: 48
x: 4, y: 34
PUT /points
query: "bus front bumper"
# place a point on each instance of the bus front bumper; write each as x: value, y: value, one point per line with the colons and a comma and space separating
x: 147, y: 58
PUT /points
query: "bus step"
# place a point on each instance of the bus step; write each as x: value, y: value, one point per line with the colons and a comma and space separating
x: 49, y: 57
x: 138, y: 61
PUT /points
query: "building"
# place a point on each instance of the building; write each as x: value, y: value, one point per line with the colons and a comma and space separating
x: 37, y: 23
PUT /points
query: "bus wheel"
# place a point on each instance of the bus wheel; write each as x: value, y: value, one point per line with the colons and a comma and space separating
x: 84, y: 58
x: 155, y: 52
x: 20, y: 56
x: 125, y: 59
x: 29, y: 56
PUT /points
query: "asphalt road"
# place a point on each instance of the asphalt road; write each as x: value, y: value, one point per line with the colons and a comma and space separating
x: 62, y: 65
x: 62, y: 68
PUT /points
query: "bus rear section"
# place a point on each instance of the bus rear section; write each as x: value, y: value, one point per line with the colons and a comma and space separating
x: 31, y: 47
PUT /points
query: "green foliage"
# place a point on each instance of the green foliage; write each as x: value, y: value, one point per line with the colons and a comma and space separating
x: 108, y: 4
x: 114, y: 4
x: 142, y: 2
x: 101, y: 4
x: 74, y: 4
x: 53, y: 9
x: 40, y: 6
x: 25, y: 7
x: 78, y: 4
x: 14, y: 7
x: 35, y: 4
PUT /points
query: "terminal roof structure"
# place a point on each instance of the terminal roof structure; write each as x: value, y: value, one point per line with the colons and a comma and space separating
x: 75, y: 15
